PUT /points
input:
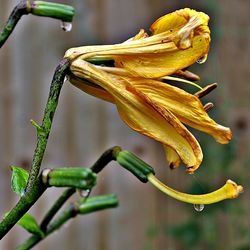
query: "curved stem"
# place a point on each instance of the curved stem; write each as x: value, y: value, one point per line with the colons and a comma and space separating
x: 89, y: 205
x: 35, y: 187
x: 39, y: 8
x: 16, y: 14
x: 44, y: 131
x: 65, y: 216
x: 229, y: 191
x: 108, y: 156
x: 56, y: 206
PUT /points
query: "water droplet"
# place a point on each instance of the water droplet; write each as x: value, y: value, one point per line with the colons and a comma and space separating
x: 66, y: 26
x: 83, y: 193
x: 202, y: 59
x: 65, y: 79
x: 199, y: 207
x: 22, y: 193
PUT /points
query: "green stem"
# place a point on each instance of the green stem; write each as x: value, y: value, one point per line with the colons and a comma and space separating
x: 89, y: 205
x: 16, y: 14
x: 56, y: 206
x: 35, y: 187
x: 67, y: 214
x: 23, y: 205
x: 44, y: 131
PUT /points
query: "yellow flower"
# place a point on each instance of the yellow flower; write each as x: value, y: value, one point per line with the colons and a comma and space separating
x: 145, y: 103
x: 178, y: 40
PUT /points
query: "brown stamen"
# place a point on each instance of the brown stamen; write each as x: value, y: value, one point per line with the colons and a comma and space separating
x: 187, y: 75
x: 206, y: 90
x: 208, y: 106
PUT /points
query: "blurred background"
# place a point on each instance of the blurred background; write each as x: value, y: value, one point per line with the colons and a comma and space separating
x: 84, y: 127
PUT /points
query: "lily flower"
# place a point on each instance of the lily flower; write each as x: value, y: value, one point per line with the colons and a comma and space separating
x: 134, y: 84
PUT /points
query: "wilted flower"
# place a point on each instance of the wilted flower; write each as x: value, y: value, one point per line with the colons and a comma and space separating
x: 134, y: 83
x: 144, y: 102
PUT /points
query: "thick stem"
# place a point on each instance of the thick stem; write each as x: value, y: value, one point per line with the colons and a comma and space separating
x: 23, y: 205
x: 44, y: 131
x: 16, y: 14
x: 35, y: 188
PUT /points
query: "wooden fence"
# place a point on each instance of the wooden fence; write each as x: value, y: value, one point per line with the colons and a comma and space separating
x: 84, y: 126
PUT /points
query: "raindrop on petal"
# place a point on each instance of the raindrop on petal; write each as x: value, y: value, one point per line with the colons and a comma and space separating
x: 199, y: 207
x: 202, y: 59
x: 66, y: 26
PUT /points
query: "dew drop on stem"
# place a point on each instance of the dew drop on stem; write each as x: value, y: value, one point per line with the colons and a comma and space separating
x: 83, y: 193
x: 199, y: 207
x: 66, y: 26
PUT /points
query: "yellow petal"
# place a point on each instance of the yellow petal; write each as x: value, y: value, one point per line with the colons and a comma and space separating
x: 229, y: 191
x: 172, y: 157
x: 143, y: 115
x: 163, y: 53
x: 178, y: 19
x: 184, y: 106
x: 166, y: 60
x: 140, y: 35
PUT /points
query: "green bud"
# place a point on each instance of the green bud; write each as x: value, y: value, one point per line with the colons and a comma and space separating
x: 81, y: 178
x: 54, y: 10
x: 93, y: 204
x: 135, y: 165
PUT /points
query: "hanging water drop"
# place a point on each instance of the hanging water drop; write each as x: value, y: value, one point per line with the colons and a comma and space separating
x: 202, y: 59
x: 83, y: 193
x: 66, y: 26
x: 199, y: 207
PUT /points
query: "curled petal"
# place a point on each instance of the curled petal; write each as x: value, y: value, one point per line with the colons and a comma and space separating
x: 143, y: 115
x: 184, y: 106
x: 163, y: 59
x: 184, y: 19
x: 179, y: 39
x: 229, y: 191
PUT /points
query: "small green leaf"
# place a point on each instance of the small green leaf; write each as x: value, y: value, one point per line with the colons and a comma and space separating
x: 29, y: 223
x: 19, y: 180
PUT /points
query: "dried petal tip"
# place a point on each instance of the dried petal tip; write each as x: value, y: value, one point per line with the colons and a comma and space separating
x: 172, y: 166
x: 233, y: 189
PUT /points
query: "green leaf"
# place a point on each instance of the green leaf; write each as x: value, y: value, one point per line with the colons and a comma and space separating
x: 28, y: 222
x: 19, y: 179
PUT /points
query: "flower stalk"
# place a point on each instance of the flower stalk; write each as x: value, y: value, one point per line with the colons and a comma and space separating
x: 229, y: 191
x: 44, y: 131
